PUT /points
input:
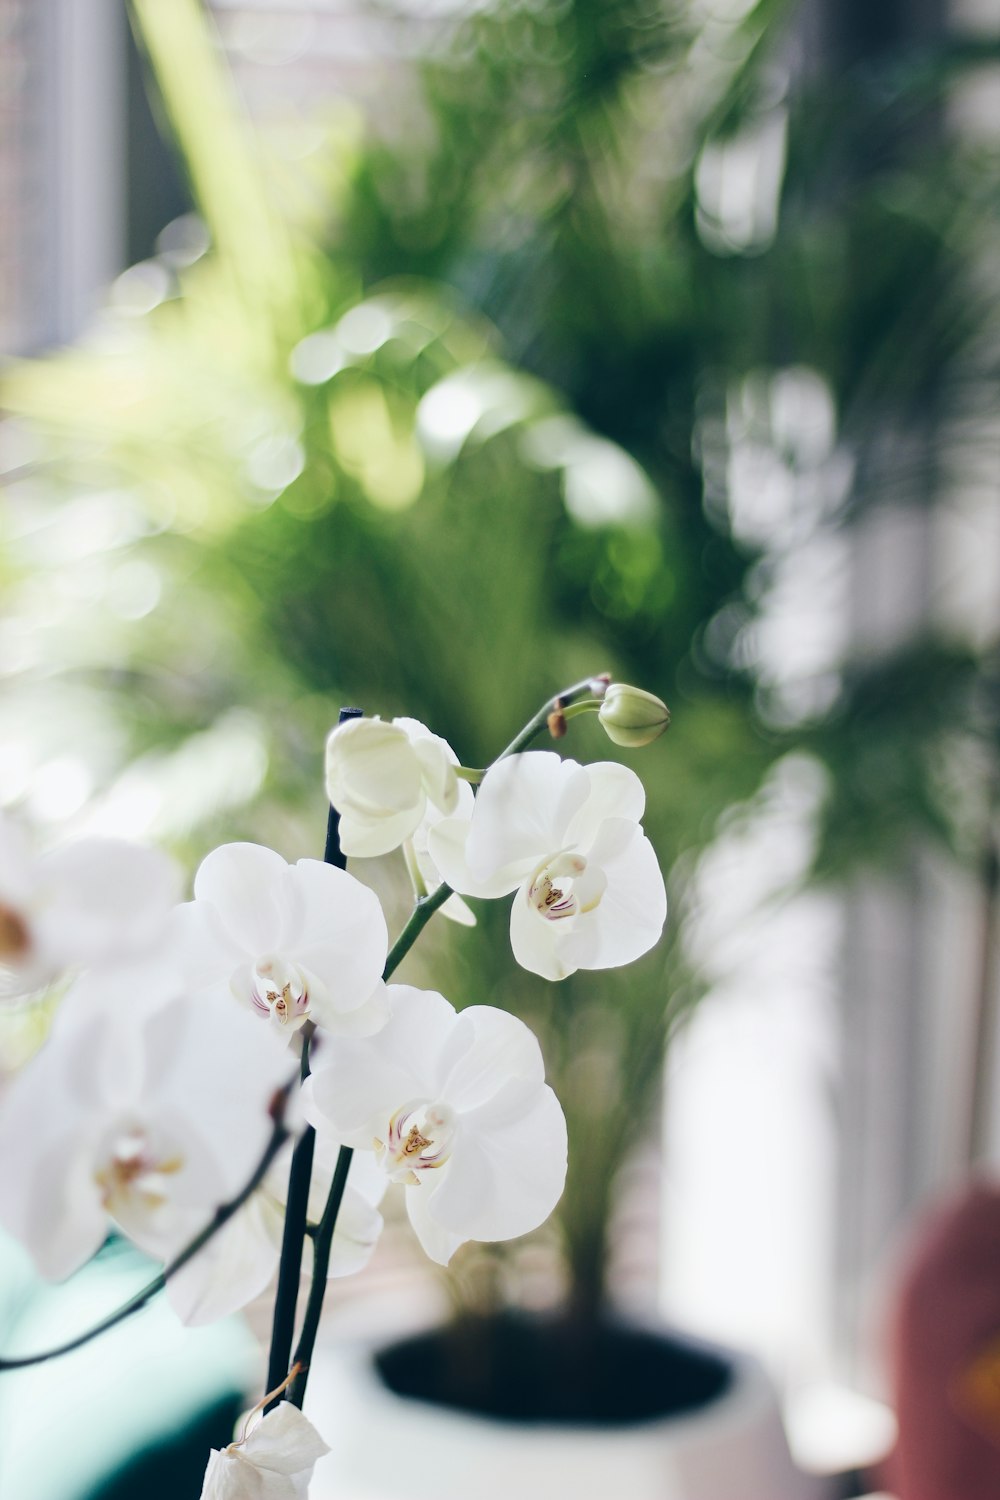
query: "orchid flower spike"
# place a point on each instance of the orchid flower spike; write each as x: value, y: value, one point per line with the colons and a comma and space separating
x: 567, y: 839
x: 456, y: 1108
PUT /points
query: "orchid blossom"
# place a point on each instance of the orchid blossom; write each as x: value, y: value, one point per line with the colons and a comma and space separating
x: 567, y: 839
x: 456, y: 1108
x: 143, y: 1107
x: 90, y: 901
x: 381, y: 777
x: 291, y: 942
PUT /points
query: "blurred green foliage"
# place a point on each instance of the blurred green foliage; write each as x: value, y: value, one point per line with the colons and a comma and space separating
x: 466, y: 431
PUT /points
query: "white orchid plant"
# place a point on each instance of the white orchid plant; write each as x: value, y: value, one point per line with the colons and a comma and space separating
x: 233, y: 1083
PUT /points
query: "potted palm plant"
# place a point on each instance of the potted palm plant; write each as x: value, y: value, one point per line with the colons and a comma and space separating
x: 367, y: 485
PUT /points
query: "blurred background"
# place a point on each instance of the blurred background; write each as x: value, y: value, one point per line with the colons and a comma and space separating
x: 428, y: 357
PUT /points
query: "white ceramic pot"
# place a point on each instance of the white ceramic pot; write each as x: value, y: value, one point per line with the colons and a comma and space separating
x: 389, y: 1447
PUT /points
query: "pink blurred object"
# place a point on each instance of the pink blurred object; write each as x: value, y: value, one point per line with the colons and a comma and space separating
x: 945, y: 1353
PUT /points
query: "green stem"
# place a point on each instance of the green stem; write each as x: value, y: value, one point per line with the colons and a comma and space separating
x: 413, y: 870
x: 584, y: 706
x: 540, y: 721
x: 421, y: 914
x: 222, y: 1215
x: 321, y: 1263
x: 292, y: 1242
x: 295, y: 1228
x: 470, y: 773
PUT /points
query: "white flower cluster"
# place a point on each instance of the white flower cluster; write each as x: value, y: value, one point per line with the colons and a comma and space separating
x: 153, y: 1100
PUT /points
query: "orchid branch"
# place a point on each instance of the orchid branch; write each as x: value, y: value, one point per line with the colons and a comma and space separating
x: 590, y: 687
x: 292, y: 1242
x: 424, y: 908
x: 321, y: 1263
x: 299, y: 1179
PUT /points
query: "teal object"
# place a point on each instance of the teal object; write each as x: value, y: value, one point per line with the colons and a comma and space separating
x: 69, y: 1426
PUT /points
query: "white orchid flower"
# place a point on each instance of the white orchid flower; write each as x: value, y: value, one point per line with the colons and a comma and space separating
x: 143, y: 1107
x: 455, y: 1107
x: 381, y: 777
x: 275, y: 1462
x: 91, y: 901
x: 239, y: 1262
x: 567, y: 839
x: 291, y: 942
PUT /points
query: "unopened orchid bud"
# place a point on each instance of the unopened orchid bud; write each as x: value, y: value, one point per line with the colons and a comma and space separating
x: 631, y: 716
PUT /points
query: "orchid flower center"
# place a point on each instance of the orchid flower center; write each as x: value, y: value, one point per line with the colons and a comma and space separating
x: 419, y: 1138
x: 565, y: 886
x: 278, y: 990
x: 15, y: 939
x: 132, y: 1176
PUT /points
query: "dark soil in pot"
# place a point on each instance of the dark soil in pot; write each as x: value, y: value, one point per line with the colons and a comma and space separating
x: 523, y: 1369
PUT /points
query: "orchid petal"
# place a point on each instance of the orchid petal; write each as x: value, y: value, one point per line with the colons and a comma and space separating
x: 364, y: 1020
x: 341, y: 937
x: 536, y: 943
x: 275, y: 1462
x: 233, y: 1268
x: 367, y: 838
x: 103, y: 898
x: 629, y: 919
x: 371, y: 768
x: 18, y: 874
x: 508, y: 1168
x: 437, y: 772
x: 438, y: 1244
x: 359, y: 1226
x: 447, y: 842
x: 615, y: 792
x: 523, y: 809
x: 487, y: 1046
x: 249, y: 887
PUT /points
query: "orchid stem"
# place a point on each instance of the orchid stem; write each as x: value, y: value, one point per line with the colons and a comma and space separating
x: 299, y: 1179
x: 413, y: 870
x: 421, y: 914
x: 321, y: 1263
x: 292, y: 1241
x: 535, y: 725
